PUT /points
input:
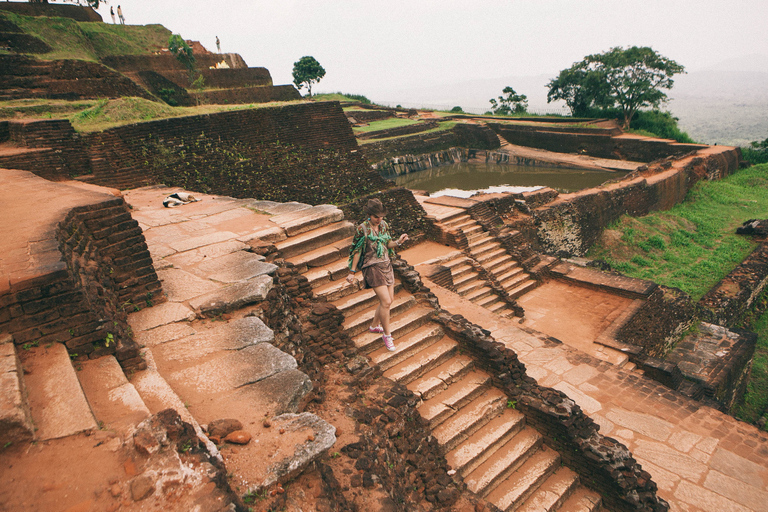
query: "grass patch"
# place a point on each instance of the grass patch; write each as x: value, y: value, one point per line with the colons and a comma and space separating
x: 440, y: 127
x: 42, y: 109
x: 90, y: 41
x: 105, y: 114
x: 754, y: 403
x: 384, y: 124
x: 693, y: 245
x: 341, y: 96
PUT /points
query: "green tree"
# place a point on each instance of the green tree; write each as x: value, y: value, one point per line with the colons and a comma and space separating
x: 179, y: 47
x: 510, y: 103
x: 307, y: 71
x: 756, y: 152
x: 629, y: 79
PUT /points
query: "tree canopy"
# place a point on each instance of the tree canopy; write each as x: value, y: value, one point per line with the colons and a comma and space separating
x: 629, y: 79
x: 307, y: 71
x: 510, y: 103
x: 179, y: 47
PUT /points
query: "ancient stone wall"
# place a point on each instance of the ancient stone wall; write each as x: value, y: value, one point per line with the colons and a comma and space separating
x: 23, y: 77
x: 58, y: 151
x: 366, y: 116
x: 112, y: 269
x: 572, y: 223
x: 240, y: 95
x: 223, y: 78
x: 593, y: 142
x: 399, y: 165
x: 732, y: 297
x: 398, y: 131
x: 167, y: 61
x: 462, y: 135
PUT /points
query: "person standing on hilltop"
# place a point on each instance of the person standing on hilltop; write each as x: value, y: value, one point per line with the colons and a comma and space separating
x: 120, y: 15
x: 218, y: 45
x: 371, y: 249
x: 112, y: 13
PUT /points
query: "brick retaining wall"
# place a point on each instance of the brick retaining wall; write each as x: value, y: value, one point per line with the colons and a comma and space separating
x: 461, y: 135
x: 75, y: 12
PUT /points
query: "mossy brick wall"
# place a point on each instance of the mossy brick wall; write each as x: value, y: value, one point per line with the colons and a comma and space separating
x: 167, y: 61
x: 398, y: 131
x: 75, y: 12
x: 222, y: 78
x: 59, y: 153
x: 366, y: 116
x: 106, y: 254
x: 24, y: 77
x: 240, y: 95
x: 602, y: 463
x: 461, y: 135
x: 310, y: 127
x: 732, y: 297
x: 572, y: 223
x: 586, y: 141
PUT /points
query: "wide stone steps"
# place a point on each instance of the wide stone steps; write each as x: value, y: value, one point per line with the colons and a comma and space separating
x: 523, y: 288
x: 315, y: 239
x: 445, y: 403
x: 423, y: 361
x: 406, y: 346
x: 322, y: 256
x: 439, y: 378
x: 470, y: 418
x: 476, y: 449
x: 322, y: 275
x: 358, y: 323
x: 514, y: 490
x: 400, y: 325
x: 582, y: 500
x: 504, y: 461
x: 361, y: 300
x: 335, y: 290
x: 551, y: 495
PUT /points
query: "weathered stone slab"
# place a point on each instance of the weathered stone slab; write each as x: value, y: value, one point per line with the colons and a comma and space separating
x: 181, y: 286
x: 195, y: 256
x: 162, y: 334
x: 234, y: 370
x: 323, y: 437
x: 271, y: 234
x: 735, y: 489
x: 233, y: 297
x: 704, y: 499
x: 15, y: 418
x: 232, y: 335
x: 645, y: 424
x: 308, y: 219
x: 58, y: 405
x: 455, y: 202
x: 274, y: 208
x: 670, y: 459
x: 587, y: 403
x: 279, y: 394
x: 238, y: 266
x: 187, y: 244
x: 738, y: 467
x: 163, y: 314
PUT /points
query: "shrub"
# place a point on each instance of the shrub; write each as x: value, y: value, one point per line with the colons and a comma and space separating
x: 756, y: 152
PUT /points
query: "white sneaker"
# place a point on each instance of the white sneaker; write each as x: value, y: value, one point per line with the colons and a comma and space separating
x: 389, y: 342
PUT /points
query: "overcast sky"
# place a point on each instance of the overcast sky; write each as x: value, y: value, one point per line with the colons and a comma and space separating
x: 377, y: 47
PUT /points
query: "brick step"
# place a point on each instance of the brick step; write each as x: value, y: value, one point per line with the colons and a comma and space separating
x: 513, y: 281
x: 406, y: 346
x: 400, y: 325
x: 476, y: 449
x: 331, y: 272
x: 322, y: 256
x: 582, y: 500
x: 460, y: 271
x: 472, y: 230
x: 315, y: 238
x: 114, y: 401
x: 56, y: 400
x: 523, y: 288
x: 486, y: 247
x: 470, y: 418
x: 490, y: 255
x: 336, y: 290
x: 553, y: 492
x: 480, y: 240
x: 358, y: 323
x: 301, y: 221
x: 489, y: 301
x: 504, y: 461
x: 479, y: 293
x: 438, y: 378
x: 423, y: 361
x: 469, y: 284
x: 445, y: 403
x: 456, y: 219
x: 15, y: 417
x: 510, y: 269
x: 361, y: 300
x: 512, y: 492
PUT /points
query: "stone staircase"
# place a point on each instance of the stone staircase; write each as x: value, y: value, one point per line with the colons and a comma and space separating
x: 486, y: 250
x: 485, y: 439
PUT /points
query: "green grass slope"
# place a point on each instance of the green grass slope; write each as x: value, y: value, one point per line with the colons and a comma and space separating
x: 91, y: 40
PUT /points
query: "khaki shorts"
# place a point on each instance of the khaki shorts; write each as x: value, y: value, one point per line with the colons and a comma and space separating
x: 379, y: 274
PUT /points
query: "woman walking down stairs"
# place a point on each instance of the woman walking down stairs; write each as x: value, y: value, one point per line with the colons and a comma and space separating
x: 486, y: 440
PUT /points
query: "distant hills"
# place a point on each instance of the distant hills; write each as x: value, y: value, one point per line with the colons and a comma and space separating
x: 726, y: 103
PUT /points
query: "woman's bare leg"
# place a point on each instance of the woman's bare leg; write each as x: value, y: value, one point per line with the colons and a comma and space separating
x: 384, y: 295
